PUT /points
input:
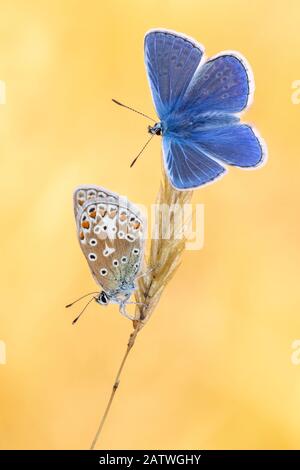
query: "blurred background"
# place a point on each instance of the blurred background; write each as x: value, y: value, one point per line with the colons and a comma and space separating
x: 213, y: 367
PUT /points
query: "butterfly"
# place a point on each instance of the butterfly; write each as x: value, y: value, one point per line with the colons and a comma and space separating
x: 111, y: 233
x: 199, y: 104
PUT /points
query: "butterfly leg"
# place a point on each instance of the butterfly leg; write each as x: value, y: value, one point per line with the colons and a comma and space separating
x: 122, y: 309
x: 135, y: 303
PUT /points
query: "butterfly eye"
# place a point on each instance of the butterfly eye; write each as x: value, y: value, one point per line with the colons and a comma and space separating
x: 124, y: 259
x: 115, y: 262
x: 92, y: 257
x: 103, y: 272
x: 103, y: 298
x: 135, y: 251
x: 93, y: 242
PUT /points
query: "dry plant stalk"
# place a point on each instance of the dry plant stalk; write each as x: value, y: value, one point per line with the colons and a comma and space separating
x: 167, y: 246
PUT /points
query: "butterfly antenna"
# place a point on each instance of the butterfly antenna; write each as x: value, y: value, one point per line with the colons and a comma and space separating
x: 132, y: 109
x: 141, y: 151
x: 82, y: 297
x: 84, y: 308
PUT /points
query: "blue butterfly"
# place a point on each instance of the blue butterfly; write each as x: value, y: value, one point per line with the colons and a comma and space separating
x: 198, y: 103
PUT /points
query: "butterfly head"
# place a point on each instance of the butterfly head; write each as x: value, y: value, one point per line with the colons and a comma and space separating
x: 119, y: 296
x: 156, y: 129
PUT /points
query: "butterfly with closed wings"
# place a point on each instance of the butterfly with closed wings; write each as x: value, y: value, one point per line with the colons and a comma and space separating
x: 111, y: 233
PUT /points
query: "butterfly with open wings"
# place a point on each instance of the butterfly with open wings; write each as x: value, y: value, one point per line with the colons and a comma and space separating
x: 199, y: 103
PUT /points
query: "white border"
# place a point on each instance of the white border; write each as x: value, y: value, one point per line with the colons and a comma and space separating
x: 129, y: 205
x: 201, y: 185
x: 260, y: 164
x: 264, y: 150
x: 232, y: 53
x: 187, y: 38
x: 175, y: 33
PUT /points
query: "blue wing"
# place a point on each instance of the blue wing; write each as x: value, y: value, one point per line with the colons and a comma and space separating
x: 237, y: 145
x: 188, y: 166
x: 223, y: 84
x: 197, y: 105
x: 171, y: 61
x: 192, y: 164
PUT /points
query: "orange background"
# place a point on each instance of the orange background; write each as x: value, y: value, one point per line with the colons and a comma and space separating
x: 213, y: 368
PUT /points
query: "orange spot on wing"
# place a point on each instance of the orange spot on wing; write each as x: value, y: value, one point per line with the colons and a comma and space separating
x: 93, y: 214
x: 123, y: 217
x: 85, y: 224
x: 136, y: 225
x: 80, y: 202
x: 81, y: 236
x: 112, y: 214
